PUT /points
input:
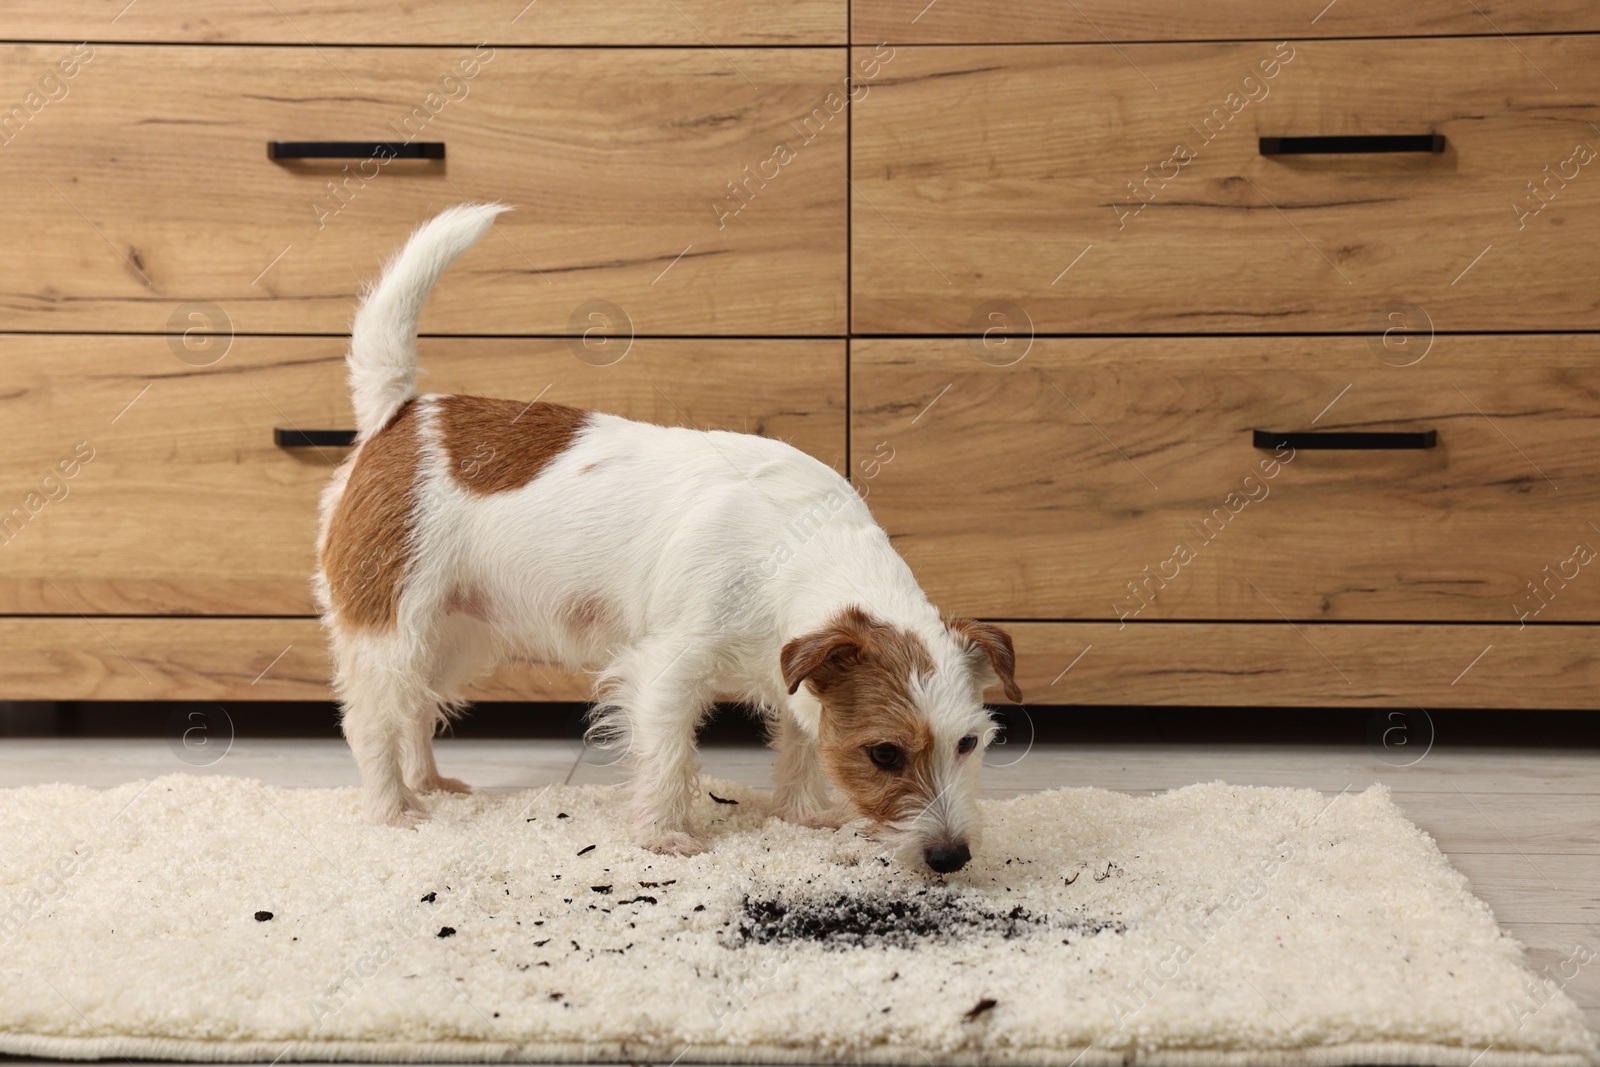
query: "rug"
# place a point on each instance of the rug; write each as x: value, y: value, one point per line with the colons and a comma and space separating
x: 211, y: 918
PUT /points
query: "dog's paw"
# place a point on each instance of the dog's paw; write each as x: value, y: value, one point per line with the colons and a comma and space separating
x: 410, y: 818
x: 441, y: 784
x: 672, y: 843
x: 825, y: 818
x: 405, y: 814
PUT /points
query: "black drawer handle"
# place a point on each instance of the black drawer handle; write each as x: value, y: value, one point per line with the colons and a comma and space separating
x: 1368, y: 441
x: 313, y: 438
x: 354, y: 150
x: 1304, y: 146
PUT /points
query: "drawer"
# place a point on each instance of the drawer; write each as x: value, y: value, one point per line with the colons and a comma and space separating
x: 135, y: 483
x: 1367, y: 665
x: 147, y: 185
x: 1116, y: 478
x: 209, y: 659
x: 1094, y: 21
x: 1327, y: 665
x: 434, y: 22
x: 1104, y: 189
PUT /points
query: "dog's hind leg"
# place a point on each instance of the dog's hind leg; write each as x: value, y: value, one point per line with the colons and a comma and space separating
x: 383, y: 692
x: 654, y: 700
x: 420, y: 771
x: 464, y: 649
x: 418, y: 768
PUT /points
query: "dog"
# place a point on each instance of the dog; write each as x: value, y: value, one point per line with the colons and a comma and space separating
x: 464, y: 531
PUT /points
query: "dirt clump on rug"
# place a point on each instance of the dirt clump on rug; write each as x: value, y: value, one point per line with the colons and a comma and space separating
x: 929, y: 915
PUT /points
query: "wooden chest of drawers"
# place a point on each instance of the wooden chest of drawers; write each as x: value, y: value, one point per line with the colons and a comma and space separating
x: 1046, y: 153
x: 1173, y: 513
x: 1056, y: 285
x: 616, y: 158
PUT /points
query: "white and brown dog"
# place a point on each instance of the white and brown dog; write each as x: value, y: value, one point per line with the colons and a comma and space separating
x: 679, y: 566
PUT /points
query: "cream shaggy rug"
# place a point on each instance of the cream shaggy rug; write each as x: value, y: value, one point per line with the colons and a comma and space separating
x: 219, y: 919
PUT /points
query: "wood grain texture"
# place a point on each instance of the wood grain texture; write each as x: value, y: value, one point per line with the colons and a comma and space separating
x: 1494, y: 775
x: 1538, y: 825
x: 1070, y: 484
x: 1557, y: 951
x: 983, y: 174
x: 188, y: 507
x: 1537, y: 889
x: 1183, y: 664
x: 1430, y: 666
x: 1564, y: 784
x: 432, y: 22
x: 291, y: 762
x: 147, y: 186
x: 202, y: 659
x: 1095, y: 21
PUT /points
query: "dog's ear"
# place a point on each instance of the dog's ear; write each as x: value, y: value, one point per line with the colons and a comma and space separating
x: 995, y: 645
x: 821, y: 656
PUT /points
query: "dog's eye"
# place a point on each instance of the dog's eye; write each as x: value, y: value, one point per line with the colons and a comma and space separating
x: 967, y: 744
x: 885, y: 757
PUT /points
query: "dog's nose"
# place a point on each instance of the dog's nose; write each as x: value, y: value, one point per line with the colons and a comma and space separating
x: 946, y: 860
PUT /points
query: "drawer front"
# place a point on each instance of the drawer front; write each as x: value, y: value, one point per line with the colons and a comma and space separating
x: 132, y: 482
x: 208, y: 659
x: 1095, y: 21
x: 1373, y: 665
x: 436, y: 22
x: 147, y: 186
x: 1328, y: 665
x: 1116, y: 479
x: 1063, y: 182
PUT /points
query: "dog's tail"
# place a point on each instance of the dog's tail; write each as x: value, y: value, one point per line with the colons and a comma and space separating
x: 383, y: 339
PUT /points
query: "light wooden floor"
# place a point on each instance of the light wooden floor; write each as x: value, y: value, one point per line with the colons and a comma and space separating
x: 1522, y: 824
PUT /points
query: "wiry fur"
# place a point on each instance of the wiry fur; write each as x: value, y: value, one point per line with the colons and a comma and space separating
x: 679, y: 567
x: 383, y: 339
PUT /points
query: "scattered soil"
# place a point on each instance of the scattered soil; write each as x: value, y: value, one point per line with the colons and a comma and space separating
x: 842, y: 921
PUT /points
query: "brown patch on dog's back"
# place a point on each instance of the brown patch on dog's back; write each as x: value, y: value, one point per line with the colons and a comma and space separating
x: 861, y: 669
x: 364, y: 557
x: 499, y: 445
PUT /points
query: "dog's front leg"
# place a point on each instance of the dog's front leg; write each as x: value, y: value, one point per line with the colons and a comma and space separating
x: 802, y: 783
x: 656, y: 702
x: 664, y: 773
